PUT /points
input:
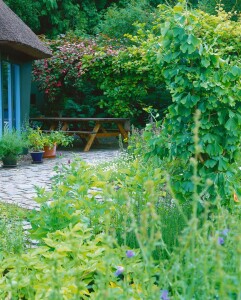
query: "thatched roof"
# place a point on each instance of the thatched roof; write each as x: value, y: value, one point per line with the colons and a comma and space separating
x: 17, y: 37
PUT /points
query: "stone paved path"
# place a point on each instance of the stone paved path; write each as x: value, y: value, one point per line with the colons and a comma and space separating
x: 17, y: 184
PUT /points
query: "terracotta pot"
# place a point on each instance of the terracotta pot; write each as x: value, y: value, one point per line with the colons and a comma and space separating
x: 50, y: 152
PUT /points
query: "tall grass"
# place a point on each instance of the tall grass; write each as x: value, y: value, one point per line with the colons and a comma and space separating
x: 12, y: 238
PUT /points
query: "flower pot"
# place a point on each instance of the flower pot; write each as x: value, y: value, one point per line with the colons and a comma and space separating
x: 9, y: 161
x: 50, y: 152
x: 37, y: 157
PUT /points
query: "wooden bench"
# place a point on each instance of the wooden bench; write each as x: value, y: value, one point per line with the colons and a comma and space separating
x: 71, y: 131
x: 95, y: 127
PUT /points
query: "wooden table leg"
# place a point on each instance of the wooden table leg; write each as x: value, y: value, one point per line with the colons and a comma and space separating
x: 122, y: 131
x: 65, y: 126
x: 92, y: 137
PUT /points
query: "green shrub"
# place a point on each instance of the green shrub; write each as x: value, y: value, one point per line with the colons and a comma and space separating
x: 12, y: 143
x: 198, y: 59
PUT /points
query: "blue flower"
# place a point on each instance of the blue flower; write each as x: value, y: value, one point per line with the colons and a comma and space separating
x: 164, y: 295
x: 119, y: 270
x: 130, y: 253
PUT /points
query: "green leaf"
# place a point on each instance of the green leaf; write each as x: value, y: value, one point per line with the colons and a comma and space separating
x: 209, y: 137
x: 222, y: 116
x: 166, y: 42
x: 190, y: 100
x: 63, y: 248
x: 210, y: 163
x: 178, y: 32
x: 191, y: 48
x: 236, y: 71
x: 205, y: 62
x: 214, y: 149
x: 169, y: 73
x: 168, y: 58
x: 231, y: 124
x: 165, y: 29
x: 201, y: 49
x: 188, y: 186
x: 192, y: 40
x: 222, y: 164
x: 215, y: 60
x: 231, y: 113
x: 184, y: 47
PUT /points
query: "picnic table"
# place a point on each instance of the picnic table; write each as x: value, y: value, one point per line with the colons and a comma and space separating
x: 89, y: 129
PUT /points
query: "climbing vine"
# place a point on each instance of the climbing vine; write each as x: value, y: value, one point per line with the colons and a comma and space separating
x: 203, y: 76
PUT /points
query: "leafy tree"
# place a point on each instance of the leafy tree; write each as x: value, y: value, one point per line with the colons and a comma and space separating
x: 52, y: 17
x: 31, y: 15
x: 112, y: 17
x: 118, y: 21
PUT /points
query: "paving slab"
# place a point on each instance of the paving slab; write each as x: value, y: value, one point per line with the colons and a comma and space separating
x: 17, y: 185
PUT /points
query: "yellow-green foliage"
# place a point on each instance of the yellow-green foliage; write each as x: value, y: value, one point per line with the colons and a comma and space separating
x: 62, y: 268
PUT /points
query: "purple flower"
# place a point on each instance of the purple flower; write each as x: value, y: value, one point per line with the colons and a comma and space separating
x: 60, y: 153
x: 220, y: 240
x: 69, y: 161
x: 164, y: 295
x: 119, y: 270
x: 225, y: 232
x: 130, y: 253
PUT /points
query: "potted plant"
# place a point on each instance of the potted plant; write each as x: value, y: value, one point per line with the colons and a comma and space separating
x: 11, y: 146
x: 52, y: 140
x: 36, y: 143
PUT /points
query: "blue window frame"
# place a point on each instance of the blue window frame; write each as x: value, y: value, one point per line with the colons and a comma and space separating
x: 9, y: 108
x: 10, y: 99
x: 16, y: 69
